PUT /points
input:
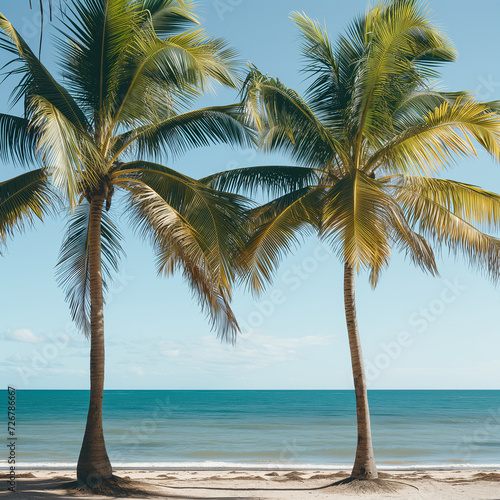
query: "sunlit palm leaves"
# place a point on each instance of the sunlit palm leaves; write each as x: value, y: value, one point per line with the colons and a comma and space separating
x: 28, y: 196
x: 23, y: 199
x: 368, y: 131
x: 194, y: 229
x: 130, y: 70
x: 175, y: 135
x: 278, y: 225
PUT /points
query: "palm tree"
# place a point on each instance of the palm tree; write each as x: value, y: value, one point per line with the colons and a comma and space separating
x: 367, y: 139
x: 131, y: 69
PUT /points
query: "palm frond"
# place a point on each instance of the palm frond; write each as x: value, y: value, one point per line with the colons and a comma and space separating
x: 272, y: 180
x: 70, y: 154
x: 23, y: 199
x: 471, y: 203
x: 287, y: 123
x: 169, y: 17
x: 447, y: 226
x: 192, y: 129
x: 415, y: 247
x: 38, y: 80
x: 72, y: 269
x: 402, y: 48
x: 327, y: 94
x: 17, y: 139
x: 437, y: 139
x: 194, y: 229
x: 356, y: 221
x: 179, y: 248
x: 95, y: 39
x: 163, y: 75
x: 277, y: 227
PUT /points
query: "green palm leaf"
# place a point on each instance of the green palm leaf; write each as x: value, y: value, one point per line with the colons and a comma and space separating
x: 401, y: 45
x: 100, y: 33
x: 194, y: 229
x: 434, y: 141
x: 72, y: 269
x: 436, y: 218
x: 69, y: 152
x: 289, y: 123
x: 17, y: 139
x: 169, y: 16
x: 180, y: 66
x: 278, y: 226
x: 274, y: 180
x: 37, y: 79
x: 179, y: 133
x: 356, y: 219
x: 23, y: 199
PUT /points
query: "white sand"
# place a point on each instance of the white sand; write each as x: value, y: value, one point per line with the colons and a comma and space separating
x: 261, y: 485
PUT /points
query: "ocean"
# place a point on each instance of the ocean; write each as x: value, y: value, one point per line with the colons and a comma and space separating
x: 262, y: 429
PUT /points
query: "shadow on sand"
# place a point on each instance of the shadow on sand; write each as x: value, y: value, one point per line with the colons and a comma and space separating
x: 63, y: 488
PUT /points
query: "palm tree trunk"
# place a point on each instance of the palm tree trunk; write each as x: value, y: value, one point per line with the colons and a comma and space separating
x: 93, y: 463
x: 364, y: 464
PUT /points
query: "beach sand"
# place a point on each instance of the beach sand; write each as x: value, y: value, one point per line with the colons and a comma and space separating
x: 263, y: 485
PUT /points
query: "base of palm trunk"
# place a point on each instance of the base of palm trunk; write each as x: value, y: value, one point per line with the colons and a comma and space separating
x: 92, y: 473
x: 355, y: 485
x: 364, y: 470
x: 113, y: 485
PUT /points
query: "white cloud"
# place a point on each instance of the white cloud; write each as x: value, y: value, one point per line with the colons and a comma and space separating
x: 253, y: 352
x: 134, y: 370
x: 23, y: 335
x: 171, y: 353
x: 48, y: 372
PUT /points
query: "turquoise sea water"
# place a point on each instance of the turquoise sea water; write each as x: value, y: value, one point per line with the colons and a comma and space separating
x: 261, y: 429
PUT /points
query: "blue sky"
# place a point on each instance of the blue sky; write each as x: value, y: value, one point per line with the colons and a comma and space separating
x: 418, y: 332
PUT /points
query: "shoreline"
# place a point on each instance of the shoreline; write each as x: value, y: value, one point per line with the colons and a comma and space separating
x: 296, y: 484
x: 213, y: 467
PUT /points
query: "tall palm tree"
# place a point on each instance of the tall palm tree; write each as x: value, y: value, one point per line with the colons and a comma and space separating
x: 131, y: 69
x: 367, y: 139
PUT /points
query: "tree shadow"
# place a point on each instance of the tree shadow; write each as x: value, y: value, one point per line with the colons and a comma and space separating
x: 66, y: 488
x: 361, y: 486
x: 48, y: 489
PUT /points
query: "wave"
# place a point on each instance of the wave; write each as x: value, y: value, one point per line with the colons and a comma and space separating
x: 209, y: 465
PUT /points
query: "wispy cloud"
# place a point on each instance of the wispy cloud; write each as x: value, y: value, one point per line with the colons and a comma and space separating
x: 23, y: 335
x: 254, y: 352
x: 134, y: 370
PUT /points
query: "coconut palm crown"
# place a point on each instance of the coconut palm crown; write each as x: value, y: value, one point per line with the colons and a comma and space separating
x: 367, y: 140
x: 130, y: 71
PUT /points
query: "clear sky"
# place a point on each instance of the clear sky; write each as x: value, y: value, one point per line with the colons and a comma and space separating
x: 418, y: 332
